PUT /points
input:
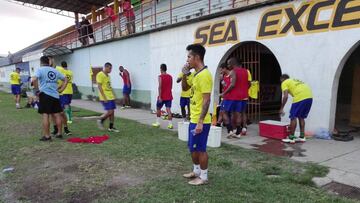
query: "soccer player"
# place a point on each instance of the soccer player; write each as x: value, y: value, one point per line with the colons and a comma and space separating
x: 185, y: 96
x: 15, y: 82
x: 300, y: 108
x: 107, y: 98
x: 125, y: 75
x: 66, y: 95
x: 200, y: 119
x: 239, y: 94
x: 49, y: 96
x: 64, y: 99
x: 227, y: 81
x: 165, y: 96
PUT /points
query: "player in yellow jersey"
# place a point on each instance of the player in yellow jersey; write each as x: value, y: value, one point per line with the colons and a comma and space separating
x: 107, y: 97
x: 300, y: 108
x: 15, y: 83
x: 185, y: 96
x: 200, y: 120
x: 63, y: 70
x: 66, y: 95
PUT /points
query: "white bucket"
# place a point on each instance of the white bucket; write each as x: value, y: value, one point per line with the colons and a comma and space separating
x: 183, y: 130
x: 214, y: 139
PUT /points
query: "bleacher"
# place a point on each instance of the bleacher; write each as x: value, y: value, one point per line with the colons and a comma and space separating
x: 152, y: 14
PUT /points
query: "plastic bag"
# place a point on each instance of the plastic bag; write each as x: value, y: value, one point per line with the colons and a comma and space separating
x: 322, y: 133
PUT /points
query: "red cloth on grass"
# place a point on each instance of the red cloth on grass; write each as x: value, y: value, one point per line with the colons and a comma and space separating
x: 92, y: 139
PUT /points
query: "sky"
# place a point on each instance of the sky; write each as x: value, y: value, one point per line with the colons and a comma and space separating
x: 21, y: 26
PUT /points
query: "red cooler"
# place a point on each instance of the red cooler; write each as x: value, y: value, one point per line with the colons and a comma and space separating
x: 273, y: 129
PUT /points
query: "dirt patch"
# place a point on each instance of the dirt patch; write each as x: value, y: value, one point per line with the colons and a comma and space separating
x: 86, y: 117
x: 124, y: 181
x: 70, y: 177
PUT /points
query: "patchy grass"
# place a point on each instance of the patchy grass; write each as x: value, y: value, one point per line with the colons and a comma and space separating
x: 77, y: 112
x: 139, y: 164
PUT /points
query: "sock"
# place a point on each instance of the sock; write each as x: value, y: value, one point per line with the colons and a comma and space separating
x: 157, y: 119
x: 70, y: 113
x: 66, y: 129
x: 111, y: 126
x: 291, y: 137
x: 102, y: 120
x: 55, y: 128
x: 170, y: 122
x: 302, y: 135
x: 204, y: 174
x: 196, y: 169
x: 67, y: 114
x: 17, y: 104
x: 229, y: 128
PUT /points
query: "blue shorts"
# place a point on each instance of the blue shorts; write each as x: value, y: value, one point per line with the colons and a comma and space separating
x: 15, y: 89
x: 65, y: 99
x: 234, y: 105
x: 109, y: 105
x: 167, y: 103
x: 300, y: 109
x: 127, y: 89
x: 184, y: 101
x: 197, y: 143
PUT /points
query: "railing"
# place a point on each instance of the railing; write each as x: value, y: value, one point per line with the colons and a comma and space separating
x: 150, y: 15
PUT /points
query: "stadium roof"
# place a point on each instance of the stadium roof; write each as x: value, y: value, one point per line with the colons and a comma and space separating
x: 78, y: 6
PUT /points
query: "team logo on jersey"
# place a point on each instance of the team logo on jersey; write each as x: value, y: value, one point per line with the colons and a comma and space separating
x: 51, y: 75
x: 108, y: 85
x: 68, y: 77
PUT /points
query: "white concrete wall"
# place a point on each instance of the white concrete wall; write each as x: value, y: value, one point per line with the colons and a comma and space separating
x: 314, y: 58
x: 132, y: 53
x: 34, y: 64
x: 7, y: 70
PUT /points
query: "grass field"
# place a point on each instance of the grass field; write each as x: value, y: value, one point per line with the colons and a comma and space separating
x: 139, y: 164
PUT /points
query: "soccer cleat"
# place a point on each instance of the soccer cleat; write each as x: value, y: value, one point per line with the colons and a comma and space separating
x: 69, y: 122
x: 114, y: 130
x: 127, y: 107
x: 156, y: 125
x: 198, y: 181
x: 236, y: 136
x: 170, y: 126
x: 43, y: 138
x: 190, y: 175
x: 230, y: 135
x: 67, y: 132
x: 289, y: 140
x: 100, y: 125
x: 123, y: 107
x: 301, y: 139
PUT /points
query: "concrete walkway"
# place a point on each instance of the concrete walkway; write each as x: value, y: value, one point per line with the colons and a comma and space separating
x: 343, y: 158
